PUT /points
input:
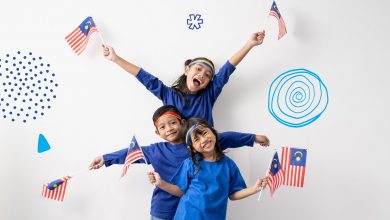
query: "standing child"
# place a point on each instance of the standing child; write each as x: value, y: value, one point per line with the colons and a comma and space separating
x: 207, y: 179
x: 195, y: 92
x: 166, y: 157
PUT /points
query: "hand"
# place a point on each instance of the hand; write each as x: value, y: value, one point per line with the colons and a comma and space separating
x: 97, y: 163
x: 260, y: 184
x: 109, y: 53
x: 154, y: 178
x: 256, y: 38
x: 262, y: 140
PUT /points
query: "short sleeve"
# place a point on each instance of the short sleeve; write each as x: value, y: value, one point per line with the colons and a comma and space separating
x: 237, y: 183
x: 183, y: 175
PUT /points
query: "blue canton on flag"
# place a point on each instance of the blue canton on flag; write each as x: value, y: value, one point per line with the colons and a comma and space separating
x: 78, y: 38
x: 282, y: 26
x: 298, y: 157
x: 276, y: 175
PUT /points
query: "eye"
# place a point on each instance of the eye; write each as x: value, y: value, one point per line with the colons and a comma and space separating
x: 162, y: 127
x: 208, y: 75
x: 204, y: 133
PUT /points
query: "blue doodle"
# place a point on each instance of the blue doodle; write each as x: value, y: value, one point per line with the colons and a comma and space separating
x: 194, y: 21
x: 27, y: 87
x: 43, y: 145
x: 297, y: 98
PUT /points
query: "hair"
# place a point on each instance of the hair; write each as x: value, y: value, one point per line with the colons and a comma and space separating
x: 183, y: 133
x: 180, y: 85
x: 163, y: 109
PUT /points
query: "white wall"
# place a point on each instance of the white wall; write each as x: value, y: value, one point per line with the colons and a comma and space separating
x: 99, y: 106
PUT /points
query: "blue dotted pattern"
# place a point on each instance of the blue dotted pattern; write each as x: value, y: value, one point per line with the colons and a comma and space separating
x: 27, y: 87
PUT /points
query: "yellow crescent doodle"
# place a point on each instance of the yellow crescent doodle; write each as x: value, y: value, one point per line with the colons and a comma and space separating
x: 132, y: 144
x: 298, y: 158
x: 275, y: 164
x: 87, y: 24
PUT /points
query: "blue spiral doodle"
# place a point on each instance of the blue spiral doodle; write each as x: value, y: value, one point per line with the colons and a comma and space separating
x: 27, y: 86
x: 297, y: 98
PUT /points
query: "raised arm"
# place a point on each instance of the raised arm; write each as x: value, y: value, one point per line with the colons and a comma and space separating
x: 155, y: 179
x: 241, y: 194
x: 255, y: 40
x: 109, y: 53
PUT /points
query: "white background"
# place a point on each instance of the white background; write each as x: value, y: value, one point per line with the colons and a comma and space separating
x: 99, y: 106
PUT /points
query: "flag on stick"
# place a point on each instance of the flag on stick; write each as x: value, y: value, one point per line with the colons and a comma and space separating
x: 78, y: 38
x: 294, y: 166
x: 56, y: 189
x: 134, y: 154
x: 282, y: 26
x: 275, y: 175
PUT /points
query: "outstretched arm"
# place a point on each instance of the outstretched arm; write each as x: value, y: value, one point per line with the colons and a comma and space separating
x: 232, y: 139
x: 255, y: 40
x: 109, y: 53
x: 155, y: 179
x: 259, y: 185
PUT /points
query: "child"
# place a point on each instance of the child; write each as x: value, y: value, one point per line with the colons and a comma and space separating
x: 207, y: 179
x: 166, y: 157
x: 195, y: 92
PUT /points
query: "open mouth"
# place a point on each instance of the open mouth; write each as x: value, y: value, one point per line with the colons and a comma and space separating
x: 196, y: 82
x: 206, y: 145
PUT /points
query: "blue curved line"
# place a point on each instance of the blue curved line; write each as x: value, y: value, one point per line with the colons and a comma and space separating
x: 273, y: 92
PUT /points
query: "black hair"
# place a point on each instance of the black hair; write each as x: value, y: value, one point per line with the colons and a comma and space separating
x: 195, y: 156
x: 180, y: 85
x: 163, y: 109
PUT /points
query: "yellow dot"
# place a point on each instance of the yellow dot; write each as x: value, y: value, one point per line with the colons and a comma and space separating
x: 55, y: 186
x: 275, y: 166
x: 86, y: 27
x: 298, y: 158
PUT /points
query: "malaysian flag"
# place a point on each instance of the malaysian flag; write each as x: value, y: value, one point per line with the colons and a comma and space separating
x: 78, y: 38
x: 294, y: 165
x: 282, y: 27
x: 134, y: 154
x: 275, y: 175
x: 56, y: 189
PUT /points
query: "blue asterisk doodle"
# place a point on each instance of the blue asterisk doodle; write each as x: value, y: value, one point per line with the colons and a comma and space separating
x: 194, y: 22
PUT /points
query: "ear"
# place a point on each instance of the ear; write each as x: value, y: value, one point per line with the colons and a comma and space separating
x: 182, y: 122
x: 156, y: 131
x: 186, y: 70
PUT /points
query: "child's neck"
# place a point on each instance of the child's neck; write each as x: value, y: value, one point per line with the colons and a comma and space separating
x: 210, y: 157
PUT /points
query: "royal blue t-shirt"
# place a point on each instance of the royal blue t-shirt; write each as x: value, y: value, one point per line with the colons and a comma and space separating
x: 206, y: 188
x: 196, y: 105
x: 166, y: 158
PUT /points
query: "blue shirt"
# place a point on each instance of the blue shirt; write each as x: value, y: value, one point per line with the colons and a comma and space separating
x: 166, y: 158
x: 197, y: 105
x: 207, y: 188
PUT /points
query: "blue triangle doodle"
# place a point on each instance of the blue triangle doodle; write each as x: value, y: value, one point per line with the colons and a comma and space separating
x: 43, y: 145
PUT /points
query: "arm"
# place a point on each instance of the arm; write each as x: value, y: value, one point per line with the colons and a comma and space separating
x: 255, y: 40
x: 155, y: 179
x: 237, y: 139
x: 109, y: 53
x: 257, y: 187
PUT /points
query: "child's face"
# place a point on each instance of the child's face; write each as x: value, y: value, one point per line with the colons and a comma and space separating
x: 168, y: 128
x: 203, y: 142
x: 198, y: 77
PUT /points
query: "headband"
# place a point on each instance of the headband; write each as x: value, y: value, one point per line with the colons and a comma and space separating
x: 188, y: 135
x: 171, y: 114
x: 204, y: 62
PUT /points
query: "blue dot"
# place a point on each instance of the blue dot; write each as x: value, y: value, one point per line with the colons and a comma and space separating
x: 36, y: 111
x: 51, y: 90
x: 36, y: 94
x: 5, y: 90
x: 7, y: 77
x: 7, y: 104
x: 21, y: 109
x: 27, y: 115
x: 32, y: 91
x: 49, y: 107
x: 34, y: 117
x: 45, y: 79
x: 56, y: 85
x: 33, y: 58
x: 29, y: 108
x: 6, y: 61
x: 41, y: 64
x: 18, y: 52
x: 31, y: 78
x: 24, y: 57
x: 42, y: 113
x: 24, y: 67
x: 30, y: 99
x: 40, y: 58
x: 15, y: 99
x: 18, y: 74
x: 17, y: 69
x: 44, y: 94
x: 24, y: 120
x: 13, y: 120
x: 24, y: 100
x: 39, y: 81
x: 47, y: 71
x: 3, y: 110
x: 10, y: 113
x: 54, y: 96
x: 46, y: 87
x: 18, y: 114
x: 40, y: 101
x: 33, y: 84
x: 40, y: 72
x: 43, y: 107
x: 9, y: 95
x: 20, y: 62
x: 14, y: 64
x: 39, y: 87
x: 48, y: 65
x: 6, y: 69
x: 36, y: 104
x: 53, y: 74
x: 14, y: 107
x: 7, y: 55
x: 48, y: 100
x: 18, y: 93
x: 30, y: 70
x: 14, y: 58
x: 29, y: 62
x: 30, y: 53
x: 4, y: 116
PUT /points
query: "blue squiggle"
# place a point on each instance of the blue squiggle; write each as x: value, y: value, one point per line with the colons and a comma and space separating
x: 297, y: 98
